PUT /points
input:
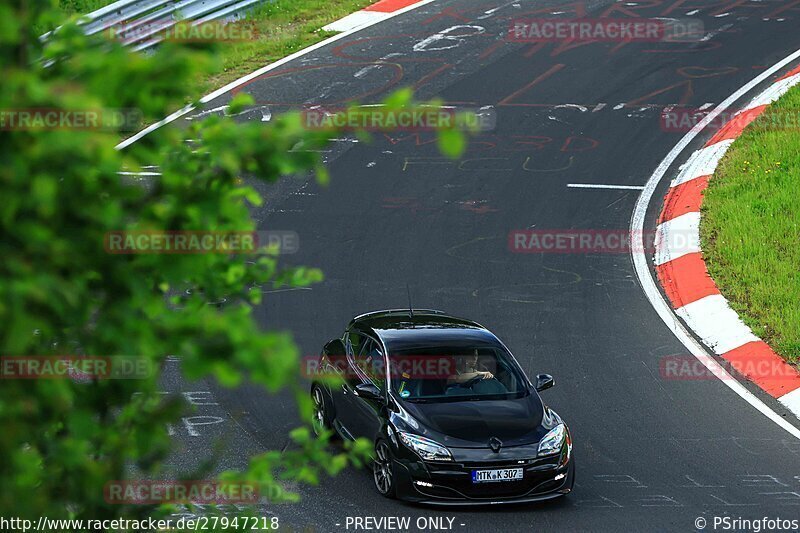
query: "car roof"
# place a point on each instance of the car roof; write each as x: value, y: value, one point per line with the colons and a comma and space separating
x: 408, y: 318
x: 402, y: 329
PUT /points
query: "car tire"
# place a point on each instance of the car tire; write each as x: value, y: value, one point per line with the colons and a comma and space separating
x: 321, y: 418
x: 383, y: 473
x: 572, y: 485
x: 571, y: 475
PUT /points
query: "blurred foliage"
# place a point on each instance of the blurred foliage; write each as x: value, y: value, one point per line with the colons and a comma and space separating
x: 82, y: 6
x: 61, y: 293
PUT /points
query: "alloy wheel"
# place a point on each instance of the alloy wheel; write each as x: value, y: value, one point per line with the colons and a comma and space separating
x: 382, y: 469
x: 318, y: 421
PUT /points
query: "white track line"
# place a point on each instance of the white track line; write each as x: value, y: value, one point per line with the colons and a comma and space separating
x: 598, y: 186
x: 219, y: 92
x: 646, y: 278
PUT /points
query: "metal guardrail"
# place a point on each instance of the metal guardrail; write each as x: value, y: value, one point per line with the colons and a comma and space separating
x: 141, y: 24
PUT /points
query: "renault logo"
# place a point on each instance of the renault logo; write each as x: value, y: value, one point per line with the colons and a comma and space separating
x: 495, y: 444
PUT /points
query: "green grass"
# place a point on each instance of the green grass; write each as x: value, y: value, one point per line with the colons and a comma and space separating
x: 750, y: 228
x: 284, y: 27
x: 82, y: 7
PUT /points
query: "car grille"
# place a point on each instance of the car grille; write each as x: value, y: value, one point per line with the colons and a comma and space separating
x: 455, y: 481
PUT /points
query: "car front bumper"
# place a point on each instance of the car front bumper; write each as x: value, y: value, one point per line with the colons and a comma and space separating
x: 451, y: 483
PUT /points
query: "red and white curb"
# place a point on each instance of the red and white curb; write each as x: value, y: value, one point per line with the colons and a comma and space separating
x: 683, y: 275
x: 369, y: 15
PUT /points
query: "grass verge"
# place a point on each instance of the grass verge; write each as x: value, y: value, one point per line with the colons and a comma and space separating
x: 82, y: 7
x: 750, y: 228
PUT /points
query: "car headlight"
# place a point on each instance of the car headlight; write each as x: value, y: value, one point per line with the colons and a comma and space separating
x: 551, y: 443
x: 426, y: 448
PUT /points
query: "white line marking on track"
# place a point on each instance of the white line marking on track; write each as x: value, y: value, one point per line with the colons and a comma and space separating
x: 710, y: 35
x: 601, y: 186
x: 646, y: 277
x: 292, y: 289
x: 447, y: 38
x: 489, y: 13
x: 580, y: 108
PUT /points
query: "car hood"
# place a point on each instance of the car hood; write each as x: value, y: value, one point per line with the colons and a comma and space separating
x: 470, y: 424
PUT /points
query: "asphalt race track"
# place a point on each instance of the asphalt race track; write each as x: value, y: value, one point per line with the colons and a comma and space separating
x: 652, y: 453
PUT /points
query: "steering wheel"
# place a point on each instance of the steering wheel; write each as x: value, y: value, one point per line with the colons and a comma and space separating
x: 472, y: 381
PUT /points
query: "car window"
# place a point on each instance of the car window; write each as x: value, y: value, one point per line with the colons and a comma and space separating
x: 370, y: 360
x: 444, y: 373
x: 355, y: 341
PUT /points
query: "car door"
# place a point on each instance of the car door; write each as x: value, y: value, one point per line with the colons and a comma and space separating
x: 361, y: 416
x: 375, y: 367
x: 343, y: 393
x: 336, y: 365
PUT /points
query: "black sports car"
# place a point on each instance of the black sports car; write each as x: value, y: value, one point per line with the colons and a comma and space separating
x: 453, y: 417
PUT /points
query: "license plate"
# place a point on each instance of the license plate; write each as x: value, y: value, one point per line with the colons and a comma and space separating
x: 498, y: 474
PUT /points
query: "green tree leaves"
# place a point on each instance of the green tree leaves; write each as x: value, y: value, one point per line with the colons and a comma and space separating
x: 62, y: 293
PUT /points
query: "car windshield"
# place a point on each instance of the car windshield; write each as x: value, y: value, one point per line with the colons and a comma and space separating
x: 446, y: 374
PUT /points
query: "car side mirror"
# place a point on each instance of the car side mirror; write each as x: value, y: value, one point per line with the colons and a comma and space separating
x: 368, y: 391
x: 544, y: 381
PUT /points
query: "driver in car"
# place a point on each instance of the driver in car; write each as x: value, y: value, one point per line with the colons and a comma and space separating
x: 468, y: 368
